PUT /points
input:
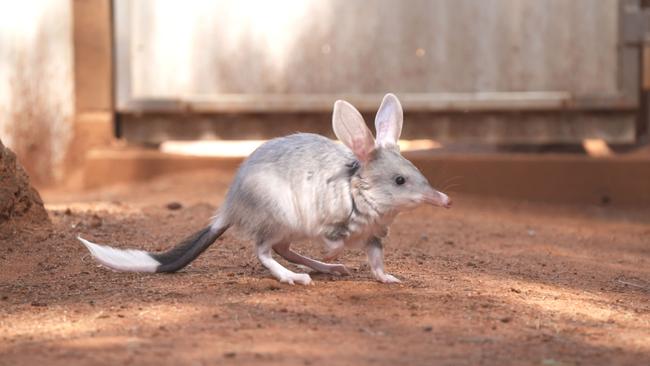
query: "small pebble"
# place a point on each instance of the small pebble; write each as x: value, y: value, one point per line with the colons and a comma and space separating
x: 96, y: 221
x: 174, y: 206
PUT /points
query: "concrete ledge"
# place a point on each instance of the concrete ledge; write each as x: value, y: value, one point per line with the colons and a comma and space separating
x: 550, y: 178
x: 110, y: 166
x: 560, y: 178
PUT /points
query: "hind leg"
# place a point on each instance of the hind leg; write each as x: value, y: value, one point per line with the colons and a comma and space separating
x: 277, y: 270
x: 284, y: 250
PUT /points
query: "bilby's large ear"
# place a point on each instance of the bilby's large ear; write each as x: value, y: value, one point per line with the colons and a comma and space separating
x: 388, y: 121
x: 350, y: 128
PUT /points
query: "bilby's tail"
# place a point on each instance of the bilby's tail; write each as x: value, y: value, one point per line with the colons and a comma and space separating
x: 132, y: 260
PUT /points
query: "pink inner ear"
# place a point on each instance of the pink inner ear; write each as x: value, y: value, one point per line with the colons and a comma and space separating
x: 360, y: 149
x: 382, y: 132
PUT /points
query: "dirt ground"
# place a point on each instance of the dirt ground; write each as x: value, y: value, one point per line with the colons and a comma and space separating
x: 488, y: 282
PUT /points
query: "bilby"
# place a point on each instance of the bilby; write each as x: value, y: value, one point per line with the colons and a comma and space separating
x: 306, y: 186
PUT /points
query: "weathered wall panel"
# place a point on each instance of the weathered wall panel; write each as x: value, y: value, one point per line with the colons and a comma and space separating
x: 36, y: 84
x: 199, y: 48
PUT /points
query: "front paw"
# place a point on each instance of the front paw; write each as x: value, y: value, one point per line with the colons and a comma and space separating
x: 386, y: 278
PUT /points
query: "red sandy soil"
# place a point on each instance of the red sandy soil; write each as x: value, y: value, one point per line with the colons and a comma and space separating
x: 488, y: 282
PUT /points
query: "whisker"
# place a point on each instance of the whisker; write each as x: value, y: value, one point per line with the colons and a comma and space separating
x: 452, y: 180
x: 451, y: 187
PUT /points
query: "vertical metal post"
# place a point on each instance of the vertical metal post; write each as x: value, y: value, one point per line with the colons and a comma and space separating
x: 629, y: 54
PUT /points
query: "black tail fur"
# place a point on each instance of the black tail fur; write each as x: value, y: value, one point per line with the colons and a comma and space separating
x: 188, y: 250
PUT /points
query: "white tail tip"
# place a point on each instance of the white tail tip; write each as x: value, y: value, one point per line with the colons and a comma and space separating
x: 125, y: 260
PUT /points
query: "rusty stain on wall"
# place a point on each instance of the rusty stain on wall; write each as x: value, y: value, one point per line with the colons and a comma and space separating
x: 36, y: 95
x: 207, y: 48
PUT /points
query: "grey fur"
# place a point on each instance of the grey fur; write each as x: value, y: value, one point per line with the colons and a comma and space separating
x: 306, y: 186
x: 296, y: 163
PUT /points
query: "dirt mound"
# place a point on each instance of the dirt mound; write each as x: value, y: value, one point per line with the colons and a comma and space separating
x: 20, y: 203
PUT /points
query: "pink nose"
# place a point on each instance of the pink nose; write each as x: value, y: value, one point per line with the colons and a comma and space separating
x: 437, y: 199
x: 449, y: 202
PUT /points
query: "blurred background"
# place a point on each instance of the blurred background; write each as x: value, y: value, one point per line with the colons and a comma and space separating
x: 542, y: 100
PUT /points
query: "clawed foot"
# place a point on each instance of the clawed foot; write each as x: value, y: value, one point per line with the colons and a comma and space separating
x: 337, y: 269
x: 299, y: 278
x: 333, y: 255
x: 386, y: 278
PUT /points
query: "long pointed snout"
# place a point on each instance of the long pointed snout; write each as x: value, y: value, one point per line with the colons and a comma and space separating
x: 436, y: 198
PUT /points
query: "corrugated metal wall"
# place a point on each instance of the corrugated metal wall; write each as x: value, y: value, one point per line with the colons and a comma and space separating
x: 530, y: 71
x: 354, y: 46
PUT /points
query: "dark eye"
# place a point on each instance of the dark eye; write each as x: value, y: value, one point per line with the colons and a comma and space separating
x: 399, y: 180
